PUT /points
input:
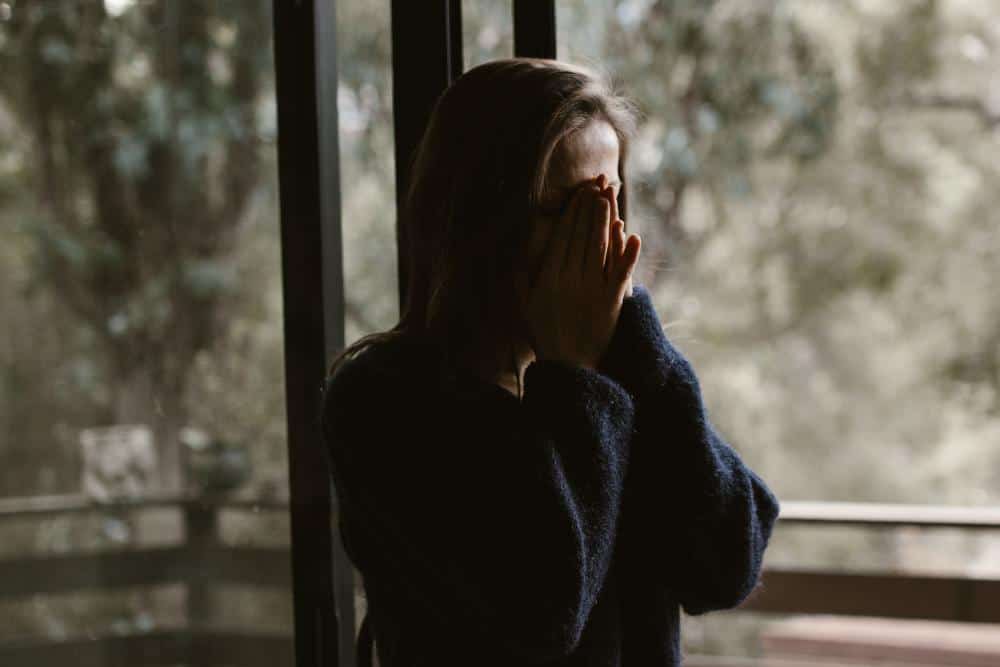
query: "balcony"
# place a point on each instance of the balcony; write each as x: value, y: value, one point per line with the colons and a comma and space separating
x: 864, y: 617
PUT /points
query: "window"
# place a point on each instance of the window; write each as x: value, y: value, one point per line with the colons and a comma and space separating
x: 144, y: 485
x: 487, y: 31
x: 367, y: 166
x: 815, y: 202
x: 814, y: 184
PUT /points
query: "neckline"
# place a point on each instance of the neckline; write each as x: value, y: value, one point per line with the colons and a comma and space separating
x: 423, y: 348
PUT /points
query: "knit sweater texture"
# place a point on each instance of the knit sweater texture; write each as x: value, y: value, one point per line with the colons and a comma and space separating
x: 566, y: 529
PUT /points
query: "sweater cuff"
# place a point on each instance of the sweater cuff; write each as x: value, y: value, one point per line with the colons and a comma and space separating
x: 579, y: 405
x: 639, y: 356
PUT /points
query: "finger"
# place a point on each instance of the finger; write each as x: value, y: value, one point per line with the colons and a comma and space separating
x: 621, y: 240
x: 557, y: 249
x: 621, y: 285
x: 597, y: 256
x: 631, y: 256
x: 609, y: 193
x: 616, y: 249
x: 583, y: 224
x: 591, y: 244
x: 614, y: 203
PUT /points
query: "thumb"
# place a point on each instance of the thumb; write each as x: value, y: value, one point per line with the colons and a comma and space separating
x: 631, y: 256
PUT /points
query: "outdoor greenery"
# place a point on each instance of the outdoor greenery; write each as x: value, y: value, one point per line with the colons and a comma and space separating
x: 818, y: 188
x: 815, y: 182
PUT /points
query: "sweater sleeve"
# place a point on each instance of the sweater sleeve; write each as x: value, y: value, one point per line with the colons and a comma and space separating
x: 493, y: 519
x: 695, y: 518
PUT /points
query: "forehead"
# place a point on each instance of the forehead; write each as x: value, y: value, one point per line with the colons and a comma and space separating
x: 589, y: 151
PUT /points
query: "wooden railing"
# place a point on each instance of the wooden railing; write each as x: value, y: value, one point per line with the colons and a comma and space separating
x: 894, y: 595
x: 199, y: 563
x: 202, y: 561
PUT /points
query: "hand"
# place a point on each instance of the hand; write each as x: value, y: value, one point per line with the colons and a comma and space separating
x: 571, y: 302
x: 619, y: 243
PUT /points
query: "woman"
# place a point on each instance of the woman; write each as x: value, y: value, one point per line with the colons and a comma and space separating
x: 524, y: 469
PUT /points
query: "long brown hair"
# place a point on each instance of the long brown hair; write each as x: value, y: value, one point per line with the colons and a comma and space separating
x: 477, y: 177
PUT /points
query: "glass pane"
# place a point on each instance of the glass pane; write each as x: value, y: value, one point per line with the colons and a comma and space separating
x: 368, y: 166
x: 487, y: 31
x: 368, y: 178
x: 144, y: 473
x: 816, y: 184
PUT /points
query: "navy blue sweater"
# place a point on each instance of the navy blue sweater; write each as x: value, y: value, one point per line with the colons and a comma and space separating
x: 568, y: 528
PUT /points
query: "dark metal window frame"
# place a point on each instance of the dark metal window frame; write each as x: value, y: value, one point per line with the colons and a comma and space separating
x: 427, y: 57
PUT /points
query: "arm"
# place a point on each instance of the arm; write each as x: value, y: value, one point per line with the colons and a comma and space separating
x: 695, y: 517
x: 493, y: 518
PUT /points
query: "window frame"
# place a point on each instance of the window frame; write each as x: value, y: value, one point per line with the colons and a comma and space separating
x: 427, y: 57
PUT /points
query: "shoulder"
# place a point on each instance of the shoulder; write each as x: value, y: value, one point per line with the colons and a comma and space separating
x: 388, y: 375
x: 408, y: 380
x: 392, y: 395
x: 382, y: 364
x: 363, y: 392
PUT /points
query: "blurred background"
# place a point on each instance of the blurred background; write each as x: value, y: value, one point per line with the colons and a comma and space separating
x: 815, y: 183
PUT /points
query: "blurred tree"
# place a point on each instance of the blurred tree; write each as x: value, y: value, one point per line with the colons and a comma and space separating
x: 811, y: 182
x: 807, y: 171
x: 143, y: 157
x: 724, y: 86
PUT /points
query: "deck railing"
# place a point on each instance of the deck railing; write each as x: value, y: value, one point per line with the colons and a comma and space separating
x: 201, y: 561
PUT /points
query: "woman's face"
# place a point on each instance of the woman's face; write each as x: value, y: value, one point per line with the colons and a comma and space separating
x: 578, y: 159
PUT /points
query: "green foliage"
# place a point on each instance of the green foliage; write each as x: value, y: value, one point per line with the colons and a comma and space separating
x: 775, y: 169
x: 141, y: 148
x: 800, y: 179
x: 899, y: 55
x: 817, y: 208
